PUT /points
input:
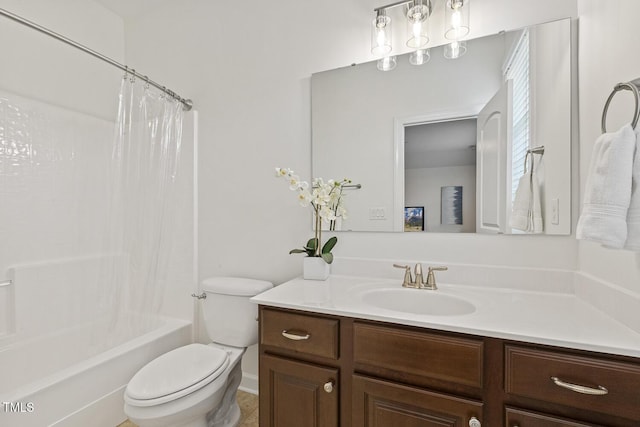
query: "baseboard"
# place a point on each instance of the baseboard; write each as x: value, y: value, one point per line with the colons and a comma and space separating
x: 249, y: 383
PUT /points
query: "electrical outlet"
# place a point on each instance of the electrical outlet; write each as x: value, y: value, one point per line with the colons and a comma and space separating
x: 377, y: 214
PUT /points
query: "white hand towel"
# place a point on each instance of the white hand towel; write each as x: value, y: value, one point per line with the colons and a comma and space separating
x: 527, y: 213
x: 607, y: 192
x: 633, y: 215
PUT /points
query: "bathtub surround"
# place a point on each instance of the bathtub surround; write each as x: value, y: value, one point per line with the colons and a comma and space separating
x: 57, y: 119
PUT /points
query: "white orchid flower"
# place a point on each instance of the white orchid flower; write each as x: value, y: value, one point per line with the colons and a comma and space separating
x: 294, y: 182
x: 304, y: 197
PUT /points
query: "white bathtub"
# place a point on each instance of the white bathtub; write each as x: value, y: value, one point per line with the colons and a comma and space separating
x: 50, y: 381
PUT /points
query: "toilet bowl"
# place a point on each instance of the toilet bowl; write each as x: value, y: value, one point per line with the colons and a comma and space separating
x: 195, y: 385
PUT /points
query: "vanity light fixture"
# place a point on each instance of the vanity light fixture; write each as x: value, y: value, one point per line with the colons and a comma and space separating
x: 417, y: 13
x: 456, y: 19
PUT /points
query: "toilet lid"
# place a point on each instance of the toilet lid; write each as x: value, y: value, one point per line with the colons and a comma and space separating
x: 178, y: 370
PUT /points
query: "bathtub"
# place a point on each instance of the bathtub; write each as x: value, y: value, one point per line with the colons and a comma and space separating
x: 51, y: 381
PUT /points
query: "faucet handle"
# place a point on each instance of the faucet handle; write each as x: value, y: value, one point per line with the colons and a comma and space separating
x: 431, y: 277
x: 408, y: 280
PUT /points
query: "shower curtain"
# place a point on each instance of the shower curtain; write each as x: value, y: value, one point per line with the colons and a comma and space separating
x: 141, y: 203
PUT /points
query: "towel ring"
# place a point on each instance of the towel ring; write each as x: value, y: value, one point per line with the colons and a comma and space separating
x: 633, y: 87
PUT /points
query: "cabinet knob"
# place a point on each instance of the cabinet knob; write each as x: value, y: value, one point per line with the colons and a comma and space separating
x: 473, y: 422
x: 328, y: 386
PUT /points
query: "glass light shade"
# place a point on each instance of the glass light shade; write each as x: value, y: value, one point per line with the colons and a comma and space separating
x: 419, y: 57
x: 456, y: 19
x: 417, y: 25
x: 387, y: 63
x: 417, y: 33
x: 381, y: 35
x: 455, y: 49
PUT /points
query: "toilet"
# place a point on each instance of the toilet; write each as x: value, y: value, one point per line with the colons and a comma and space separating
x: 195, y: 385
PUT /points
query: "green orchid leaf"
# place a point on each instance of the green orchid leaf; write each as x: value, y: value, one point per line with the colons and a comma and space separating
x: 298, y: 251
x: 327, y: 257
x: 312, y: 244
x: 326, y: 249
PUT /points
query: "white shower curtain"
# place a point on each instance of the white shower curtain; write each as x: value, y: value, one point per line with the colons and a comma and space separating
x: 138, y: 234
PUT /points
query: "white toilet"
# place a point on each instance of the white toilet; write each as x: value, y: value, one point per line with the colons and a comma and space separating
x: 195, y: 385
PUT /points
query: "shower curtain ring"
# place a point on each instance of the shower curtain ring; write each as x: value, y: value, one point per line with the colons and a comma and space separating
x: 133, y: 75
x: 126, y: 72
x: 146, y: 82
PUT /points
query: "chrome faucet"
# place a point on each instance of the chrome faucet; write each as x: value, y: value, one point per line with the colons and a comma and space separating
x: 419, y: 283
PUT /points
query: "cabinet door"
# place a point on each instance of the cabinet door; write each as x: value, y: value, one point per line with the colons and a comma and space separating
x: 520, y: 418
x: 379, y: 403
x: 296, y: 394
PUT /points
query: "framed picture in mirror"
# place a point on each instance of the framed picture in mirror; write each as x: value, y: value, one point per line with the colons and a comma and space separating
x: 414, y: 218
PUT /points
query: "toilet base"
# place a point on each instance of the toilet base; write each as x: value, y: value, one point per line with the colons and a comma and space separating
x: 231, y: 415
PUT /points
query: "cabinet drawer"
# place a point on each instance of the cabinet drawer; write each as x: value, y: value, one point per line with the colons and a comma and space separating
x: 416, y: 356
x: 552, y: 376
x: 301, y: 333
x: 520, y: 418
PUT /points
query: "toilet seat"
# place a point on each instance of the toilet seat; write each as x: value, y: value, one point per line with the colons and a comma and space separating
x: 176, y: 374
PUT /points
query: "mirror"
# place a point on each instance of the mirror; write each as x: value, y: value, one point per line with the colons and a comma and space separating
x: 410, y: 136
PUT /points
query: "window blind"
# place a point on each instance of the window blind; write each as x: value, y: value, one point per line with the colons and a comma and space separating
x: 517, y: 70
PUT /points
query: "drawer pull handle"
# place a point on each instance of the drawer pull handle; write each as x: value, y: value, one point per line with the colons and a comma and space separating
x: 328, y: 386
x: 295, y: 336
x: 600, y: 391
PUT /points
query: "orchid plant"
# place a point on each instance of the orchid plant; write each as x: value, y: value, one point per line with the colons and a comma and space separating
x: 327, y: 201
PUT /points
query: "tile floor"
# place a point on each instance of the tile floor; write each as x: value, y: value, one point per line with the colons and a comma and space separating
x: 248, y: 407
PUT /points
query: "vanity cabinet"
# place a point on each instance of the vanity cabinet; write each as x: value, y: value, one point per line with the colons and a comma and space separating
x: 321, y: 370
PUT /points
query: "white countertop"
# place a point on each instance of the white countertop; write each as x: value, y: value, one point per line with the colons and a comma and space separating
x: 553, y: 318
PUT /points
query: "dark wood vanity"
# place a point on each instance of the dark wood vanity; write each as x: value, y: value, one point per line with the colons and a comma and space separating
x: 327, y: 371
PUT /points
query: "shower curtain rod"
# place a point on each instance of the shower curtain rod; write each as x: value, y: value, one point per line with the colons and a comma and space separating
x: 187, y: 103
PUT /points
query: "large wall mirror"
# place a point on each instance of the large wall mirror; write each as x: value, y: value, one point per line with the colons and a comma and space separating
x: 442, y: 147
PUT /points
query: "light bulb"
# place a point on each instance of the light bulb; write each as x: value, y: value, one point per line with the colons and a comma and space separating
x: 456, y: 17
x: 381, y: 35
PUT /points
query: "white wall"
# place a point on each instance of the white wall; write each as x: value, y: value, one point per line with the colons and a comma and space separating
x: 608, y: 46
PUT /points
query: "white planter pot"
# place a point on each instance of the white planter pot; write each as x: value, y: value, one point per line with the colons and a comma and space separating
x: 315, y: 268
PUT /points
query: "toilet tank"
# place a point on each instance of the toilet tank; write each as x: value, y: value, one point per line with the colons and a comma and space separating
x: 229, y: 317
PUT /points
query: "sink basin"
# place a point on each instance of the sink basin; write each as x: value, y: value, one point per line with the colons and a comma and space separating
x: 418, y: 301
